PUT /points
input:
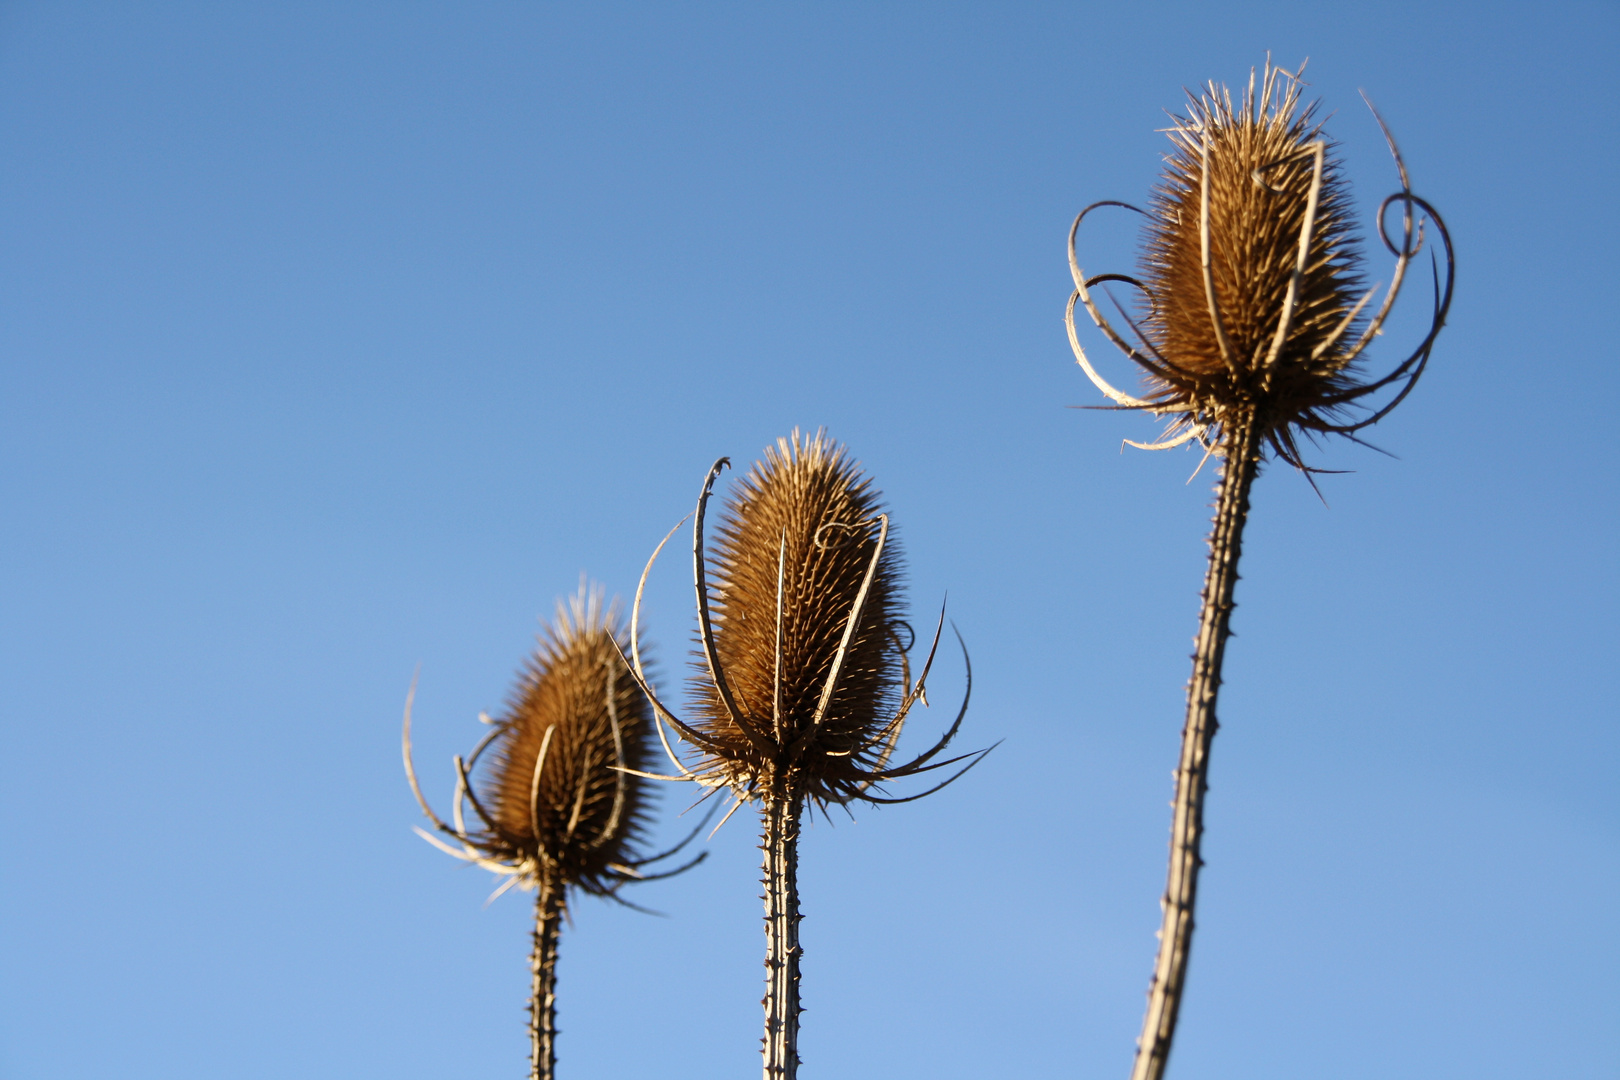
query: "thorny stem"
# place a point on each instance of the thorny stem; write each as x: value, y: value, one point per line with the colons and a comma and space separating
x: 548, y: 916
x: 1192, y: 773
x: 780, y: 842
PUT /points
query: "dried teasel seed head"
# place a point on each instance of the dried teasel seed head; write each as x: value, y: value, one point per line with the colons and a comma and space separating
x: 1262, y: 182
x: 796, y: 555
x: 1253, y: 293
x: 803, y: 684
x: 563, y: 800
x: 557, y: 798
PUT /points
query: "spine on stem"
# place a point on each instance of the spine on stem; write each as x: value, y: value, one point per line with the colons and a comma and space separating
x: 548, y: 915
x: 780, y: 842
x: 1241, y: 464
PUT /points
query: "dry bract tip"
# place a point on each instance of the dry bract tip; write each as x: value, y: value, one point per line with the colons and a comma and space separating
x: 1252, y: 294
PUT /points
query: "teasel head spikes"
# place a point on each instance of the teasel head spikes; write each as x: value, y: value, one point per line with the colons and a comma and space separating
x: 803, y: 683
x: 1253, y: 298
x: 562, y: 804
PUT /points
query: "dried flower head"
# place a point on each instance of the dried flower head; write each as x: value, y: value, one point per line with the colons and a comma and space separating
x: 803, y: 684
x: 562, y: 803
x: 1251, y: 282
x: 799, y: 543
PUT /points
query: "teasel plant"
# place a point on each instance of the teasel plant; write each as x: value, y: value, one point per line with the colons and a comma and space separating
x: 1251, y: 333
x: 562, y: 805
x: 803, y: 684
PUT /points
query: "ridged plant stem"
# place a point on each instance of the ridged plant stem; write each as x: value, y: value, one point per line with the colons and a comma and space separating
x: 1238, y: 471
x: 548, y: 916
x: 780, y: 843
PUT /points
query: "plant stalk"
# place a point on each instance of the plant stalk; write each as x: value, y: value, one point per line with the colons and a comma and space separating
x: 780, y: 843
x: 1241, y: 465
x: 548, y: 916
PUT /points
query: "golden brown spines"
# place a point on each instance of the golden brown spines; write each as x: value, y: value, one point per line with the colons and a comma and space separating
x: 794, y: 548
x: 572, y: 695
x: 1261, y: 172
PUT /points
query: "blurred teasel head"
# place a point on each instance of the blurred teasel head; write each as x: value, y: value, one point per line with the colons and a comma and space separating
x: 560, y: 803
x: 563, y: 801
x: 1253, y: 302
x: 803, y: 683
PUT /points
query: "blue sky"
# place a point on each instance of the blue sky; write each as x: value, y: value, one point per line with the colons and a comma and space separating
x: 340, y: 338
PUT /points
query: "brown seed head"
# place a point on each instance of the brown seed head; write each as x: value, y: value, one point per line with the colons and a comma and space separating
x: 1261, y: 178
x: 1251, y: 282
x: 561, y: 803
x: 803, y: 686
x: 554, y: 793
x: 796, y: 548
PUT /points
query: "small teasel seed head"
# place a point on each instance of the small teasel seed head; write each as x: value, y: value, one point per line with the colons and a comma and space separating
x: 796, y: 552
x: 559, y: 803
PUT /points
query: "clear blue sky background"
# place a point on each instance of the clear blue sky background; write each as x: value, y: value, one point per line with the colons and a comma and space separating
x: 341, y: 337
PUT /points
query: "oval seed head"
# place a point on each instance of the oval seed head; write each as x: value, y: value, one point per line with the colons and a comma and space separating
x: 1288, y: 344
x: 555, y: 793
x: 797, y: 544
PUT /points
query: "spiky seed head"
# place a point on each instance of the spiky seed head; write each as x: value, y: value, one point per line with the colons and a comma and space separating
x: 589, y: 814
x: 1260, y: 176
x: 805, y: 516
